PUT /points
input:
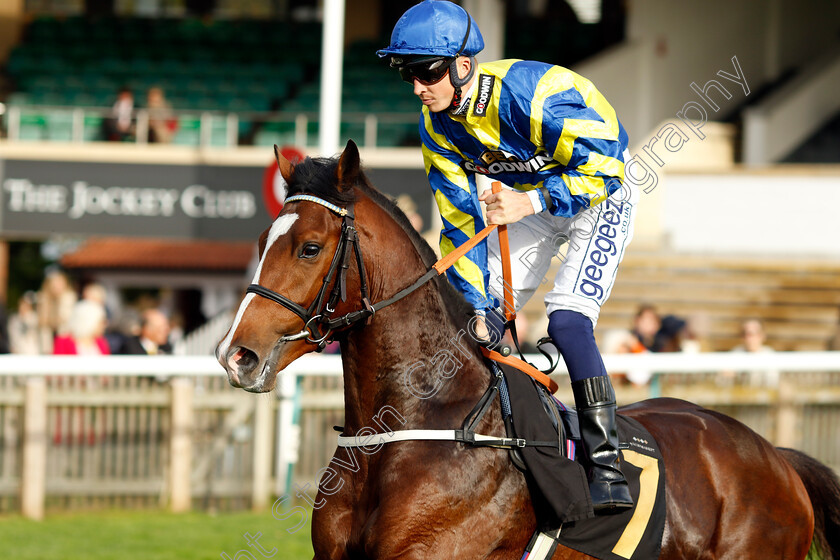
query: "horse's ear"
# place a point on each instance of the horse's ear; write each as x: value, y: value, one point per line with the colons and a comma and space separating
x: 348, y: 167
x: 286, y: 167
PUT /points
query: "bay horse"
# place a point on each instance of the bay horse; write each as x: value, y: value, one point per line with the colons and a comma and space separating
x: 730, y: 494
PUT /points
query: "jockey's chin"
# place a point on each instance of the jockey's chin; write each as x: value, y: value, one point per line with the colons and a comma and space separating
x: 257, y: 371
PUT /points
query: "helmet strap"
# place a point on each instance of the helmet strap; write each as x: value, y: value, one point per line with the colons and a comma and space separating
x: 458, y: 82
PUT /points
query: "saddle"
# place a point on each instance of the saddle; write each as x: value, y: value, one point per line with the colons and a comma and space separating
x: 558, y: 485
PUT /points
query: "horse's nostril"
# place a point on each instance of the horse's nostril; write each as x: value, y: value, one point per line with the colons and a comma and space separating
x: 242, y: 359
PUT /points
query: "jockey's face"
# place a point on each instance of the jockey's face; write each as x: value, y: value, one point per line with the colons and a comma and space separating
x: 438, y: 97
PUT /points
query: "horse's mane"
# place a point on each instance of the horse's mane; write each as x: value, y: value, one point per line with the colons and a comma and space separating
x: 316, y: 177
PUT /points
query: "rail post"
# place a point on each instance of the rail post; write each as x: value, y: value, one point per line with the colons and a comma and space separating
x: 180, y: 445
x: 263, y: 434
x: 34, y: 474
x: 787, y: 419
x: 288, y: 433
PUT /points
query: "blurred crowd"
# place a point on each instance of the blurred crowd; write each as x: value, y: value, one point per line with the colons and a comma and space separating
x: 58, y: 319
x: 121, y: 124
x: 653, y: 332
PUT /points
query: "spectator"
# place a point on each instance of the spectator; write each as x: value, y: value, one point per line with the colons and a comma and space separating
x: 119, y: 126
x: 646, y: 325
x: 23, y: 327
x: 95, y: 293
x: 153, y: 338
x: 127, y: 326
x: 695, y: 335
x: 753, y: 341
x: 86, y: 332
x: 55, y: 304
x: 669, y: 337
x: 622, y: 341
x: 162, y: 122
x: 753, y: 338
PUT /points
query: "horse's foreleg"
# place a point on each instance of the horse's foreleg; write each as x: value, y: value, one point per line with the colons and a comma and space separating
x: 331, y: 526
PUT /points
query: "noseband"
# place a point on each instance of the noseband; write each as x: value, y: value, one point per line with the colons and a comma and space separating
x: 317, y: 320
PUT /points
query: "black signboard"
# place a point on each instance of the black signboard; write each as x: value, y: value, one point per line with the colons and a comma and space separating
x: 40, y: 198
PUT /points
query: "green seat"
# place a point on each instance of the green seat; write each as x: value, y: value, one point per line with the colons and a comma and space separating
x: 206, y: 103
x: 53, y: 99
x: 289, y: 72
x: 22, y: 61
x: 188, y: 132
x: 84, y: 99
x: 301, y: 105
x: 277, y: 88
x: 19, y: 99
x: 352, y: 131
x: 93, y: 125
x: 33, y: 126
x: 60, y: 126
x: 258, y: 102
x: 271, y: 137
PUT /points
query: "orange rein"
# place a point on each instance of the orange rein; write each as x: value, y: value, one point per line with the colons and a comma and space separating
x: 510, y: 310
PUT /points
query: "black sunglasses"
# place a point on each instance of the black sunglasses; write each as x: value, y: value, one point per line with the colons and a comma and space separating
x: 427, y: 72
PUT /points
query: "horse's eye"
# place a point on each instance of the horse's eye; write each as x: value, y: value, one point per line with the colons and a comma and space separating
x: 309, y: 251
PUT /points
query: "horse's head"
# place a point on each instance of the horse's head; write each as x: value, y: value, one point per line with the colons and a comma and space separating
x: 308, y: 278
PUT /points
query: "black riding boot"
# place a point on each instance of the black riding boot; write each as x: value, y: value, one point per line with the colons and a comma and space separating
x: 595, y: 402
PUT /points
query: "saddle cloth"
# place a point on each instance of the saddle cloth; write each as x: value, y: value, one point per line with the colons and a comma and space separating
x: 559, y: 488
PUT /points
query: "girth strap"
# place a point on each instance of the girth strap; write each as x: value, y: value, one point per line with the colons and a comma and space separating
x: 465, y: 435
x: 461, y: 436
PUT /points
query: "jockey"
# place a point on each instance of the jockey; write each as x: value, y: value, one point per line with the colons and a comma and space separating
x: 556, y: 143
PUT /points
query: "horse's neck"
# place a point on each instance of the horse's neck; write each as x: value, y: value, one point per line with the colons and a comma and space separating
x: 414, y: 364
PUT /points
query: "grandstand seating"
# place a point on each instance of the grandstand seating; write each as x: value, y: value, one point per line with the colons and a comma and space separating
x: 251, y: 67
x: 797, y: 300
x: 556, y: 42
x: 243, y: 66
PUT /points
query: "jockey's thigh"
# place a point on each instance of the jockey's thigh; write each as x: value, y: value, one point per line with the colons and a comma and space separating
x: 532, y: 246
x: 597, y: 239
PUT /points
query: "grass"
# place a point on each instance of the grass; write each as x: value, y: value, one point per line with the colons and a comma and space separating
x: 122, y: 535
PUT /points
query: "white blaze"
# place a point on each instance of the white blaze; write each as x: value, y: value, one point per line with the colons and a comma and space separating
x: 280, y: 227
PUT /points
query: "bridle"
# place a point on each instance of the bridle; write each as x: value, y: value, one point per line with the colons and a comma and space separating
x: 318, y: 322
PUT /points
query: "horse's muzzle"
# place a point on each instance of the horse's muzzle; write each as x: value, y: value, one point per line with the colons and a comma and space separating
x: 241, y: 365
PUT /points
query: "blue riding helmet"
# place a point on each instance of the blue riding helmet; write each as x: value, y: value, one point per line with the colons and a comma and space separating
x: 435, y: 28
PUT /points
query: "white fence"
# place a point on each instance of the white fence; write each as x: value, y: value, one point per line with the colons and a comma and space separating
x: 170, y: 430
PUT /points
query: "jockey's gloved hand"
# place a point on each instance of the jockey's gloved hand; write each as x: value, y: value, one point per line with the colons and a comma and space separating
x: 490, y: 329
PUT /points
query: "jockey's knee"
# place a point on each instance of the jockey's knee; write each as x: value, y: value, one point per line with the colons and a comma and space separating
x: 567, y: 327
x: 573, y: 335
